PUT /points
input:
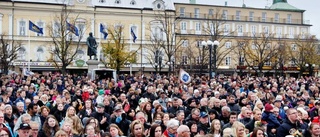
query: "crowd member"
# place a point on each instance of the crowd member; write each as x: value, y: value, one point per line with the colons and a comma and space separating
x: 207, y: 106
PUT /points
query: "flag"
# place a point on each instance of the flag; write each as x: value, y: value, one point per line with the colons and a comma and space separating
x: 133, y: 35
x: 72, y: 28
x: 33, y: 27
x: 103, y: 31
x: 26, y: 72
x: 184, y: 76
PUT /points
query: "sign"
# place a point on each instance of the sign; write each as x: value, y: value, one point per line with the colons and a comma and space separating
x: 80, y: 63
x: 46, y: 64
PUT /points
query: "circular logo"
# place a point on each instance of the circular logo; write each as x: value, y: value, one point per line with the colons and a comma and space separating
x: 81, y: 1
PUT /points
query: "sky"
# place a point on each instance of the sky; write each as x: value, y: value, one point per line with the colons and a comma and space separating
x: 311, y: 6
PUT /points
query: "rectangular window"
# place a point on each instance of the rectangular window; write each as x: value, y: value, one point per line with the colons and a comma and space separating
x: 182, y: 10
x: 198, y: 28
x: 226, y: 29
x: 266, y: 29
x: 212, y: 29
x: 279, y: 32
x: 210, y: 12
x: 238, y: 15
x: 224, y: 14
x: 291, y: 32
x: 40, y: 25
x: 184, y: 60
x: 57, y: 29
x: 289, y: 18
x: 253, y: 30
x: 228, y: 45
x: 196, y: 12
x: 185, y: 43
x: 276, y: 18
x: 228, y: 61
x: 22, y: 28
x: 251, y: 16
x: 240, y: 30
x: 183, y: 26
x: 264, y: 17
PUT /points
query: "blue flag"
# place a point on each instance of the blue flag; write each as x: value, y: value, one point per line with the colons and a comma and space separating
x: 184, y: 76
x: 33, y: 27
x: 103, y: 31
x: 72, y: 28
x: 133, y: 35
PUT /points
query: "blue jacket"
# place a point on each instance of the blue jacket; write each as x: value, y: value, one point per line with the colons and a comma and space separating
x: 271, y: 119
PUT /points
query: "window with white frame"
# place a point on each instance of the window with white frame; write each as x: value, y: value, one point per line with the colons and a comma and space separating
x: 279, y: 32
x: 41, y: 25
x: 212, y: 28
x: 185, y: 43
x: 276, y: 17
x: 266, y: 29
x: 22, y: 28
x: 264, y: 17
x: 253, y: 30
x: 183, y: 27
x: 21, y: 54
x: 240, y: 30
x: 198, y: 28
x: 228, y: 45
x: 226, y: 29
x: 289, y: 16
x: 291, y: 32
x: 198, y: 60
x: 80, y: 55
x: 294, y: 47
x: 81, y: 24
x: 157, y: 33
x: 40, y: 54
x: 196, y: 12
x: 228, y: 60
x: 251, y: 16
x: 268, y: 46
x: 182, y: 11
x: 225, y: 14
x: 184, y: 59
x: 56, y: 29
x: 238, y: 15
x: 210, y: 13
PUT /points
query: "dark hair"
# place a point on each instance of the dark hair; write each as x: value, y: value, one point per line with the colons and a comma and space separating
x: 255, y: 131
x: 6, y: 129
x: 233, y: 113
x: 153, y: 129
x: 30, y: 106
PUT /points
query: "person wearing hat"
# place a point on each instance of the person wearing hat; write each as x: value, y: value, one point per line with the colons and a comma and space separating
x: 102, y: 117
x: 314, y: 110
x: 24, y: 130
x: 269, y: 117
x: 120, y: 119
x: 100, y: 96
x: 203, y: 125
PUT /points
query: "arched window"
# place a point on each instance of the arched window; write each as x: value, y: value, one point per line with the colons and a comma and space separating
x: 117, y: 2
x: 133, y: 2
x: 22, y: 54
x: 80, y: 55
x: 40, y: 53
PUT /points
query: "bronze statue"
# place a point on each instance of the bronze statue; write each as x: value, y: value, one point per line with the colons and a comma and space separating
x: 92, y: 46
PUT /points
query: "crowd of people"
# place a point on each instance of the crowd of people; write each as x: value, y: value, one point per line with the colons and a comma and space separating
x: 56, y: 105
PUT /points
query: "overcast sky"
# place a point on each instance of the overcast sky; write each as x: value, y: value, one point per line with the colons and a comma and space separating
x: 312, y: 8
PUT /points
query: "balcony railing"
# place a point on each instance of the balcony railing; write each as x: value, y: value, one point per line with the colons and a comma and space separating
x: 241, y: 18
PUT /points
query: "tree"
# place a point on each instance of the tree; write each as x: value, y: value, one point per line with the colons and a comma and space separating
x: 65, y: 42
x: 8, y: 52
x: 304, y: 50
x: 259, y: 51
x: 114, y: 51
x: 163, y: 33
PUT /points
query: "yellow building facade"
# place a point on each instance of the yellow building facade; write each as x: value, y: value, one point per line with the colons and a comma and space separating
x: 192, y: 22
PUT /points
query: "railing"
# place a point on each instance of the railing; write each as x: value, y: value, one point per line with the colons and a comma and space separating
x: 241, y: 18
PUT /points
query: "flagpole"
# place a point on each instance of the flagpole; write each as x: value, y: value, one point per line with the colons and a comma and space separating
x: 98, y: 51
x: 130, y: 62
x: 29, y: 43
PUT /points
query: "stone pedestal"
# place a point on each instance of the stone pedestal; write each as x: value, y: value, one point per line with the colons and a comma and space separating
x: 92, y: 64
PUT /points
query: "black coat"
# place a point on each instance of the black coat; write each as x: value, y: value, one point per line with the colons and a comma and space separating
x: 99, y: 117
x: 287, y: 126
x: 123, y: 124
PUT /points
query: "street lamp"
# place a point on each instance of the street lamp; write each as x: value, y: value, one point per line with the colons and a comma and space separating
x: 310, y: 68
x: 215, y: 44
x: 156, y: 67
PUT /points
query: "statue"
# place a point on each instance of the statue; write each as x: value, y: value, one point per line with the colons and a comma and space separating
x: 92, y: 46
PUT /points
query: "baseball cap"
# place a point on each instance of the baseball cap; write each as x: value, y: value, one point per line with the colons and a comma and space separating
x: 117, y: 108
x: 101, y: 105
x: 203, y: 114
x: 24, y: 126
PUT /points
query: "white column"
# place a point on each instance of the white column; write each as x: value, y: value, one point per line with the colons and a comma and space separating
x: 143, y: 31
x: 285, y: 32
x: 93, y: 25
x: 191, y: 25
x: 10, y: 25
x: 298, y: 30
x: 247, y: 27
x: 1, y: 15
x: 260, y: 29
x: 233, y: 27
x: 272, y: 29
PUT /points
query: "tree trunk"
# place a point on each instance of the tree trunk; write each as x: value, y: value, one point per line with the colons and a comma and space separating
x: 64, y: 69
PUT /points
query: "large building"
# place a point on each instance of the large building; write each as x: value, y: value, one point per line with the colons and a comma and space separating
x: 191, y: 24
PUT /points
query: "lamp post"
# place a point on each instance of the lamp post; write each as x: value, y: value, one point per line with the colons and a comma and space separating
x: 156, y: 67
x: 215, y: 45
x: 209, y: 44
x: 310, y: 68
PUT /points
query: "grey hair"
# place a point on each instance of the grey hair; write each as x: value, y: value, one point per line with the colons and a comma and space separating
x: 226, y: 108
x: 20, y: 103
x: 172, y: 123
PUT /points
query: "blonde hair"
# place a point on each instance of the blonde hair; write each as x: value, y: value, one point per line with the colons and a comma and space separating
x: 235, y: 126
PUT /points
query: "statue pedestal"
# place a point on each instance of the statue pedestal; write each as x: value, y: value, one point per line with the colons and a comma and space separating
x: 92, y: 64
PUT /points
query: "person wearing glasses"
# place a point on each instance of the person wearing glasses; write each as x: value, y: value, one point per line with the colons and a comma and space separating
x: 291, y: 125
x: 172, y: 126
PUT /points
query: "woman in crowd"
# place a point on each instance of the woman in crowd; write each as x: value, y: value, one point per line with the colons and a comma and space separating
x: 136, y: 129
x: 67, y: 127
x: 87, y: 110
x: 193, y: 128
x: 44, y: 112
x: 95, y: 123
x: 61, y: 133
x: 4, y: 132
x: 155, y: 131
x: 90, y: 131
x: 147, y: 110
x: 238, y: 129
x: 115, y: 131
x: 60, y: 112
x: 131, y: 114
x: 77, y: 126
x: 314, y: 130
x: 258, y: 132
x: 8, y: 115
x: 50, y: 127
x: 71, y: 111
x: 216, y: 128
